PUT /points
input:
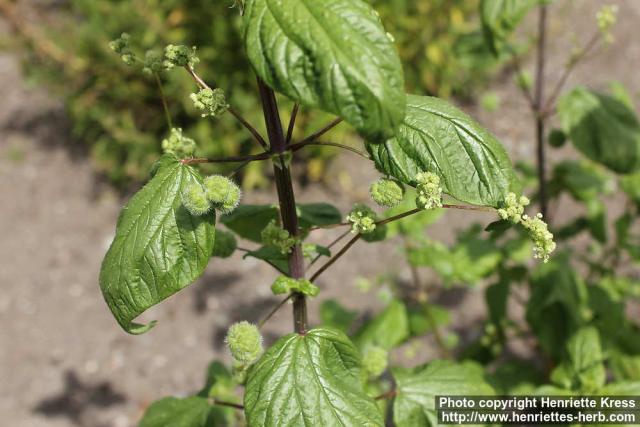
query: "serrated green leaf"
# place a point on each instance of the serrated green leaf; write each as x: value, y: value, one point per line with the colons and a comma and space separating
x: 415, y: 404
x: 556, y: 307
x: 273, y: 256
x: 583, y: 367
x: 309, y: 380
x: 425, y: 317
x: 318, y: 214
x: 601, y: 127
x: 334, y: 55
x: 436, y: 137
x: 500, y: 18
x: 159, y: 247
x: 170, y: 411
x: 387, y: 330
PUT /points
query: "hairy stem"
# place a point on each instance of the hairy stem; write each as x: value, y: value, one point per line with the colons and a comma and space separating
x: 286, y: 198
x: 388, y: 395
x: 322, y: 131
x: 232, y: 159
x: 336, y: 257
x: 539, y: 106
x: 292, y: 123
x: 165, y: 106
x: 229, y: 404
x: 274, y: 311
x: 299, y: 145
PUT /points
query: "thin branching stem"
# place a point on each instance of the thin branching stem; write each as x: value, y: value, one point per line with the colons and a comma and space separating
x: 336, y: 257
x: 165, y: 106
x: 225, y: 403
x: 299, y: 145
x: 232, y: 159
x: 388, y: 395
x: 329, y: 246
x: 256, y: 135
x: 322, y: 131
x: 273, y: 311
x: 292, y: 123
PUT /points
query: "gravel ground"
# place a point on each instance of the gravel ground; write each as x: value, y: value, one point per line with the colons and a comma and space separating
x: 64, y: 361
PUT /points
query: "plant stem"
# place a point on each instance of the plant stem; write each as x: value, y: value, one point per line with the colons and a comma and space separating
x: 292, y: 123
x: 233, y: 111
x: 329, y: 246
x: 387, y: 395
x: 286, y: 198
x: 539, y: 106
x: 232, y: 159
x: 274, y: 311
x: 165, y: 106
x: 322, y: 131
x: 229, y: 404
x: 336, y: 257
x: 299, y: 145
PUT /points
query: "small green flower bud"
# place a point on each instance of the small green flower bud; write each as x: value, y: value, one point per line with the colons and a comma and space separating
x: 211, y: 101
x: 542, y: 238
x: 286, y: 285
x: 606, y: 18
x: 152, y: 62
x: 278, y: 237
x: 179, y: 56
x: 362, y: 219
x: 225, y: 244
x: 194, y: 199
x: 121, y: 47
x: 387, y: 192
x: 244, y: 342
x: 223, y: 193
x: 429, y: 192
x: 513, y: 208
x: 178, y: 144
x: 374, y: 361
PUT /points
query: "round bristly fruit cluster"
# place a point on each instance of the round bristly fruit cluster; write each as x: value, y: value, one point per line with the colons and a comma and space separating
x: 218, y: 192
x: 277, y: 237
x: 244, y: 342
x: 374, y: 361
x: 178, y: 144
x: 225, y: 244
x: 387, y: 192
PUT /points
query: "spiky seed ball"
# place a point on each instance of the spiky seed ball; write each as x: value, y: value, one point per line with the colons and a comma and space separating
x: 223, y: 193
x: 244, y: 342
x: 387, y: 192
x: 178, y: 144
x: 429, y: 192
x: 362, y: 219
x: 194, y: 199
x: 225, y: 244
x: 374, y: 361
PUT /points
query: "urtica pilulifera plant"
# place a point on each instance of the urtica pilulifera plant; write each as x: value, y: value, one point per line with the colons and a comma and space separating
x: 334, y: 56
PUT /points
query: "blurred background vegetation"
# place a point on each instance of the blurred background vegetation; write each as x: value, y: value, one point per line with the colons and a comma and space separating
x: 116, y: 111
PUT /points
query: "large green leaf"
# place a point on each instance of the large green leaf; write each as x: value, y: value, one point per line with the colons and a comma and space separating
x: 309, y: 380
x: 437, y: 137
x: 330, y: 54
x: 387, y: 330
x: 501, y: 17
x: 188, y: 412
x: 582, y: 368
x: 415, y: 404
x: 603, y: 128
x: 159, y: 247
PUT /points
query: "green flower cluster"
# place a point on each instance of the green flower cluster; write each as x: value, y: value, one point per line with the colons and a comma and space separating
x: 429, y: 192
x: 211, y: 101
x: 179, y: 56
x: 244, y: 342
x: 362, y: 219
x: 387, y: 192
x: 286, y: 285
x: 178, y: 144
x: 218, y: 192
x: 122, y: 48
x: 543, y: 244
x: 225, y: 244
x: 606, y: 18
x: 152, y: 62
x: 374, y: 361
x: 278, y: 237
x: 223, y: 193
x: 513, y: 208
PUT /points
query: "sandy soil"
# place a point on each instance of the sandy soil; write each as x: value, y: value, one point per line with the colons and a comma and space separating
x: 64, y: 361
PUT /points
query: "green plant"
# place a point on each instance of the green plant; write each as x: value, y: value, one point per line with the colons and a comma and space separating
x: 336, y: 56
x: 118, y: 113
